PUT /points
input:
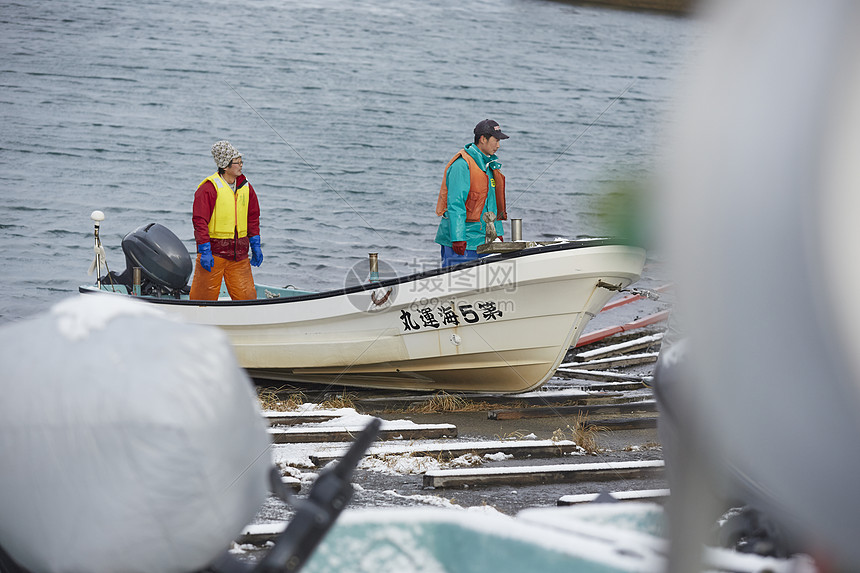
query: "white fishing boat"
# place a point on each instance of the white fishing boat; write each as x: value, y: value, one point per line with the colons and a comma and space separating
x: 502, y: 323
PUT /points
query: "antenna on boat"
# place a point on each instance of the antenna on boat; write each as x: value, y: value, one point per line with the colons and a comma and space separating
x: 100, y: 257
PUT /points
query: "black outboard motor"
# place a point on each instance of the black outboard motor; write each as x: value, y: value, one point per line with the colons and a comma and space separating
x: 164, y: 262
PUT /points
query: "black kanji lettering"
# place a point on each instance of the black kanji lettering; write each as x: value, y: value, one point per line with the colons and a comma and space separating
x: 448, y: 316
x: 489, y: 310
x: 427, y: 317
x: 408, y: 323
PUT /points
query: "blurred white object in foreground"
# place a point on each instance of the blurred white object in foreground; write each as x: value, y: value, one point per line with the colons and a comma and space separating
x: 763, y: 200
x: 129, y: 442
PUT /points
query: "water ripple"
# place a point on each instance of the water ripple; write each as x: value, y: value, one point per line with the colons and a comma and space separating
x: 116, y: 109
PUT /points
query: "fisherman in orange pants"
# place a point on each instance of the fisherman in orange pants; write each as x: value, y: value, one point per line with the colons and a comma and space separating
x: 226, y: 219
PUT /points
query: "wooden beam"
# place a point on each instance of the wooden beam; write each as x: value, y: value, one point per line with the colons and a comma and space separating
x: 625, y: 423
x: 603, y: 409
x: 342, y: 434
x: 656, y: 495
x: 293, y: 483
x: 614, y: 362
x: 260, y: 533
x: 417, y: 401
x: 614, y: 386
x: 517, y: 449
x: 600, y: 376
x: 620, y: 349
x: 291, y: 418
x: 534, y: 475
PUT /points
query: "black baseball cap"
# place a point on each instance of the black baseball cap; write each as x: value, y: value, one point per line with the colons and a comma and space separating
x: 490, y: 127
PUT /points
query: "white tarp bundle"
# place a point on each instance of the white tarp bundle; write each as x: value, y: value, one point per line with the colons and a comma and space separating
x: 128, y: 442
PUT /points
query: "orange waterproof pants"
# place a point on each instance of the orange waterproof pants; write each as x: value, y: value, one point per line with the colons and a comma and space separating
x: 236, y: 274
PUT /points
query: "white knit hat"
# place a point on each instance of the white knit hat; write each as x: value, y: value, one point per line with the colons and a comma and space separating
x: 224, y: 153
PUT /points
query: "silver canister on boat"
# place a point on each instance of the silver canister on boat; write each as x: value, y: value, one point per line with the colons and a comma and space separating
x: 135, y: 273
x: 516, y: 230
x: 374, y: 266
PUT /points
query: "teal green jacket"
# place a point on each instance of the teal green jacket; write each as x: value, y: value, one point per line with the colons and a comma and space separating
x: 453, y: 226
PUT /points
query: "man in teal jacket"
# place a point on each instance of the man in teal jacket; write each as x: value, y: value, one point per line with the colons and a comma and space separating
x: 472, y: 185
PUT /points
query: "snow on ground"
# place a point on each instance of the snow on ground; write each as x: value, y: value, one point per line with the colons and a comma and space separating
x: 408, y: 464
x: 437, y: 501
x: 349, y: 418
x: 293, y: 458
x: 546, y: 393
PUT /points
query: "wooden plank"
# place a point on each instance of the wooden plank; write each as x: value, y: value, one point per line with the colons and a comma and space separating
x: 614, y: 362
x: 395, y: 402
x: 420, y: 400
x: 625, y: 423
x: 620, y: 349
x: 292, y: 483
x: 347, y: 434
x: 534, y: 475
x: 594, y: 399
x: 260, y: 533
x: 546, y: 398
x: 525, y: 413
x: 614, y: 386
x: 656, y: 495
x: 600, y: 376
x: 517, y: 449
x: 382, y: 403
x: 291, y: 418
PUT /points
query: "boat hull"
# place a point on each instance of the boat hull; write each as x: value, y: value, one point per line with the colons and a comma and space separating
x: 500, y: 324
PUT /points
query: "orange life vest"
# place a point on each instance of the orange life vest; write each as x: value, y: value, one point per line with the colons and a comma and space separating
x: 478, y: 188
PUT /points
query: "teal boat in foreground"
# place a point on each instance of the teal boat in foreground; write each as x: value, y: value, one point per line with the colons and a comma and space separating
x: 590, y: 538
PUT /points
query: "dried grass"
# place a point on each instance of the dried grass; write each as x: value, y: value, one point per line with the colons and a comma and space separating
x: 515, y: 435
x: 582, y: 433
x: 338, y: 401
x: 273, y: 399
x: 421, y: 462
x: 445, y: 402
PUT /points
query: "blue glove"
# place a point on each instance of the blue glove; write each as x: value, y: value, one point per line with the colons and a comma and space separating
x: 256, y: 251
x: 206, y: 258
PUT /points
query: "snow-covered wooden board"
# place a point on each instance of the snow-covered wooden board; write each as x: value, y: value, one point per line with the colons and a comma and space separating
x: 292, y: 418
x: 389, y: 431
x: 530, y: 475
x: 551, y: 411
x: 517, y: 449
x: 657, y: 495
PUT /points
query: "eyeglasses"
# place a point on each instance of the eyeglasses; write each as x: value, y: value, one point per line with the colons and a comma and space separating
x: 236, y: 162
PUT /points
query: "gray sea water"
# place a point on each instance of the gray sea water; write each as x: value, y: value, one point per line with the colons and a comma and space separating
x: 346, y: 113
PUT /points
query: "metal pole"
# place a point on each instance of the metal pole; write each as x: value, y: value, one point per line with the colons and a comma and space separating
x: 516, y: 230
x: 98, y: 258
x: 374, y: 266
